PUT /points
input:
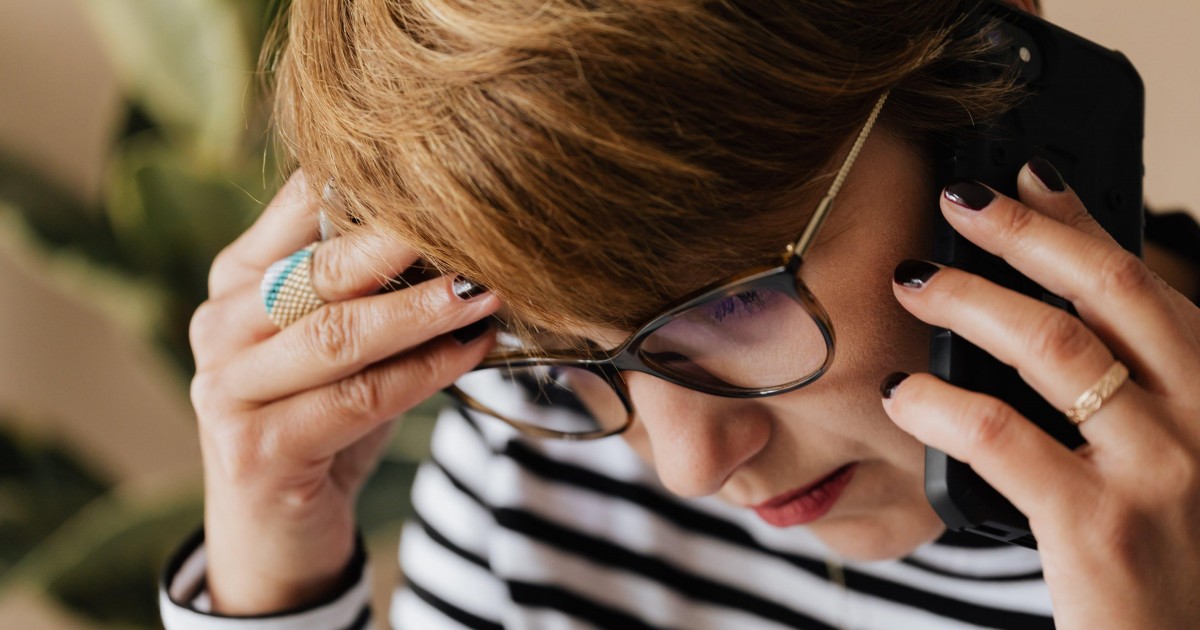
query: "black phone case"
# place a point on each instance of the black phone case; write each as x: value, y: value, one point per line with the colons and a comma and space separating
x: 1084, y: 113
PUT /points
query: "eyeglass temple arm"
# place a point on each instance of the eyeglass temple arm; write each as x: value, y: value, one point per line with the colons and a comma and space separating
x: 796, y: 251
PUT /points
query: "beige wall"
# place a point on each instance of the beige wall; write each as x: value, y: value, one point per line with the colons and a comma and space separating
x: 58, y: 99
x: 1160, y: 38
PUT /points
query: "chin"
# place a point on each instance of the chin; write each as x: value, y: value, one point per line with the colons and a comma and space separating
x: 880, y: 536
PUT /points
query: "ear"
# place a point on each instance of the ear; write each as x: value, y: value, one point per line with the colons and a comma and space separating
x: 1029, y: 6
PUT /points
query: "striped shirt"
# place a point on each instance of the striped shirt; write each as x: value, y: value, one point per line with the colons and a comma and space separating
x: 529, y: 534
x: 514, y: 533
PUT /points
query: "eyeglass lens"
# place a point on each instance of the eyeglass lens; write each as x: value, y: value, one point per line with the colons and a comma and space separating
x: 758, y: 339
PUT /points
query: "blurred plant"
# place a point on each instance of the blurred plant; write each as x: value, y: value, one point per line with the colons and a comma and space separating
x: 188, y: 172
x: 190, y: 169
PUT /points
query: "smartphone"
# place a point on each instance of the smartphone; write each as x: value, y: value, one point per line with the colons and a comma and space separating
x: 1084, y: 113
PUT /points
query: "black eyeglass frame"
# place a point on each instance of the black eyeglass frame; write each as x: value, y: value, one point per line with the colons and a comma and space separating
x: 626, y: 357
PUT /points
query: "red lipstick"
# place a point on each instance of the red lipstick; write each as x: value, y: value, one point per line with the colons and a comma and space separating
x: 808, y: 503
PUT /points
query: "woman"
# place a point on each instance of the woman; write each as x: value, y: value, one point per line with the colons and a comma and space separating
x: 589, y: 165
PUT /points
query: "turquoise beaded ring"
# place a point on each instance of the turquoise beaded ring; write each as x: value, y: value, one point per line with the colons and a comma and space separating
x: 287, y: 289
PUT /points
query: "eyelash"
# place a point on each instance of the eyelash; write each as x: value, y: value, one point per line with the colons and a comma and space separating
x: 750, y: 302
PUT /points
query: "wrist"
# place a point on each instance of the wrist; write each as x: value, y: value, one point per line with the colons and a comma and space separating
x: 256, y: 569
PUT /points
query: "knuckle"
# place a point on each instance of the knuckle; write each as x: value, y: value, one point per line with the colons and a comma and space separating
x: 1079, y: 218
x: 1180, y: 470
x: 1059, y: 338
x: 432, y: 365
x: 989, y: 425
x: 332, y: 331
x: 329, y: 270
x: 223, y: 259
x: 957, y: 292
x: 205, y: 321
x: 205, y: 393
x: 242, y: 449
x: 220, y: 266
x: 1123, y: 273
x: 425, y: 309
x: 359, y: 395
x: 1015, y: 222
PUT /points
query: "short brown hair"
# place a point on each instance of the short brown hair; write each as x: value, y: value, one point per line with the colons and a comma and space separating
x: 591, y: 160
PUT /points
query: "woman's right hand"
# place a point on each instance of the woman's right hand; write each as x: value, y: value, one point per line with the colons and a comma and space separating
x: 292, y: 421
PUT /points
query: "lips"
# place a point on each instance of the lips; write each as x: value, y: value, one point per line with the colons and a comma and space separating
x: 808, y: 503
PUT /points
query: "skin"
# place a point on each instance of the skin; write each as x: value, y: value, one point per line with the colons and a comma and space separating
x: 292, y: 421
x: 749, y: 450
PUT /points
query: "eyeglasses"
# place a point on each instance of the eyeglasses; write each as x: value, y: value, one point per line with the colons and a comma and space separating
x: 756, y: 334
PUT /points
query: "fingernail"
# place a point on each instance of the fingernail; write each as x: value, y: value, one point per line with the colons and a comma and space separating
x: 465, y: 289
x: 969, y: 194
x: 914, y: 273
x: 890, y: 383
x: 1047, y: 174
x: 470, y: 332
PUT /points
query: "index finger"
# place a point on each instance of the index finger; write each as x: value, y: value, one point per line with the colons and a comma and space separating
x: 1113, y: 291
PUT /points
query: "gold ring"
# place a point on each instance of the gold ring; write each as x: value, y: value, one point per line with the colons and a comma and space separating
x: 287, y: 289
x: 1094, y: 397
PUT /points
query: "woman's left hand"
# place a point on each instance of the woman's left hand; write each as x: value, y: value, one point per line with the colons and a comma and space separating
x: 1117, y: 520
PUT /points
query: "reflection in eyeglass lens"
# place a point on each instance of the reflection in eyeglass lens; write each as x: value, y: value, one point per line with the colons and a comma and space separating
x: 756, y: 339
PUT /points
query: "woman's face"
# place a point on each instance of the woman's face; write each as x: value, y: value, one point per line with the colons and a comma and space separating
x: 750, y: 451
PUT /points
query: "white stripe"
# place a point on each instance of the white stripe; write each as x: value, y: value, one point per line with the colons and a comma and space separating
x: 450, y: 512
x: 521, y: 558
x: 460, y: 583
x: 984, y: 563
x: 459, y: 448
x: 879, y: 614
x: 634, y: 528
x: 1024, y: 595
x: 630, y: 527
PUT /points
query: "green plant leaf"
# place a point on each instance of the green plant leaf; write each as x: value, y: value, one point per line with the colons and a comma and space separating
x: 185, y: 62
x: 104, y: 562
x: 41, y: 486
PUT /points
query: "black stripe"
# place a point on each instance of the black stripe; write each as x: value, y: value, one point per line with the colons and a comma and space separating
x: 458, y: 483
x: 361, y: 621
x: 664, y: 506
x: 603, y: 552
x: 694, y: 587
x: 694, y: 520
x: 951, y: 538
x: 446, y: 543
x: 446, y: 608
x: 542, y: 596
x: 1015, y: 577
x: 466, y: 416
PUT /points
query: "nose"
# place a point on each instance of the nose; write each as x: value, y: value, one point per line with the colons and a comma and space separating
x: 696, y: 441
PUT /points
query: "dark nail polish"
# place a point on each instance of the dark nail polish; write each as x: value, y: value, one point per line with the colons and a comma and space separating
x: 969, y: 194
x: 470, y: 332
x: 914, y: 273
x: 1049, y: 176
x: 891, y: 382
x: 465, y: 289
